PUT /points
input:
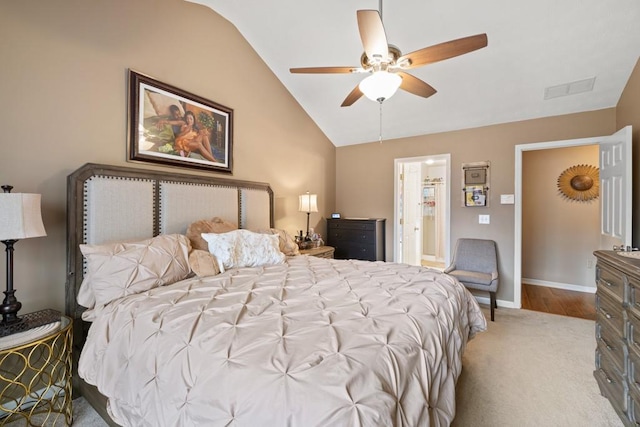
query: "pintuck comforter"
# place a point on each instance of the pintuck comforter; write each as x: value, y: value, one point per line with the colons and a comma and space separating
x: 311, y: 342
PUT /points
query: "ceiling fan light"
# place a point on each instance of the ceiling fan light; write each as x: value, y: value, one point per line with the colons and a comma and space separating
x: 380, y: 85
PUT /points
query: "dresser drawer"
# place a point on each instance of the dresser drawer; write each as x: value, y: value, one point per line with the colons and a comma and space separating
x: 633, y: 412
x: 611, y: 280
x: 349, y: 250
x: 634, y: 372
x: 633, y: 295
x: 612, y: 346
x: 611, y: 313
x: 350, y: 235
x: 611, y: 383
x: 633, y: 333
x: 351, y: 225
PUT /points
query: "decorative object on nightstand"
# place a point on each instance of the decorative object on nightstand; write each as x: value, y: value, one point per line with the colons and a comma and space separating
x: 308, y: 203
x: 35, y: 375
x: 319, y: 252
x: 20, y: 218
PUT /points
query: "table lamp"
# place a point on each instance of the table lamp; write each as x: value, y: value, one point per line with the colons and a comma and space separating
x: 308, y: 203
x: 20, y: 218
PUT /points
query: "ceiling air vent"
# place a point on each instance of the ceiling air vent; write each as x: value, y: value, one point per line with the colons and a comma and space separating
x: 569, y: 88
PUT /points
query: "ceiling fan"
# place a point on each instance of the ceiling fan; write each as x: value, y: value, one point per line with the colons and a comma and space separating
x: 387, y: 64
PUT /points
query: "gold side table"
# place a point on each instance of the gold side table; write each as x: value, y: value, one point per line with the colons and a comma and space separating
x: 35, y: 376
x: 320, y: 252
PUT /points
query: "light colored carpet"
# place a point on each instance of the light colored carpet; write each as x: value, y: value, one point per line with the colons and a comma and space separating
x: 532, y: 369
x: 85, y: 416
x: 528, y: 369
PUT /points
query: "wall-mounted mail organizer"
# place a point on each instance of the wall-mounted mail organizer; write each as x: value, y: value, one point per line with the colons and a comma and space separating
x: 475, y: 184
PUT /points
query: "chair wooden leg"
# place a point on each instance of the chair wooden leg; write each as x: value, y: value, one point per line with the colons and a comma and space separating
x: 494, y: 304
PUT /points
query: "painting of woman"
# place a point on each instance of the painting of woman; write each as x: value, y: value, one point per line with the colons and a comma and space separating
x: 192, y: 138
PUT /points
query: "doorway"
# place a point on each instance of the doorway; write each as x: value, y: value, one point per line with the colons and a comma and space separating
x: 615, y: 194
x: 422, y: 210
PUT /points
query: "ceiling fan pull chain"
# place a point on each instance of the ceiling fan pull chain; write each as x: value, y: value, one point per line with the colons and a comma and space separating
x: 380, y: 133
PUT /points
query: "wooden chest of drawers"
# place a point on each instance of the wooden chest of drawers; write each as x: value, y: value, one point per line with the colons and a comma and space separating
x: 618, y: 333
x: 357, y: 238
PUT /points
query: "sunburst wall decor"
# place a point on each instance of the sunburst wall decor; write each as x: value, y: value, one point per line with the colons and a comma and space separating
x: 580, y: 182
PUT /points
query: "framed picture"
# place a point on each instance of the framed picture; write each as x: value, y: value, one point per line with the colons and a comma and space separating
x: 172, y: 127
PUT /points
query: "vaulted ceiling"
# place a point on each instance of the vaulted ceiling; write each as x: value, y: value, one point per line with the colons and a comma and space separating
x: 544, y: 58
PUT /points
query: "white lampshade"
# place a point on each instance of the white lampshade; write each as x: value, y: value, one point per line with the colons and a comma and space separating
x: 380, y: 85
x: 308, y: 203
x: 20, y: 216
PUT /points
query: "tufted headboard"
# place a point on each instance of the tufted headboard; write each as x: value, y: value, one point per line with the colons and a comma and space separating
x: 113, y: 203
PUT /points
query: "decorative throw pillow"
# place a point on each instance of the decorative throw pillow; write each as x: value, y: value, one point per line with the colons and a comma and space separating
x: 204, y: 264
x: 119, y: 269
x: 244, y: 248
x: 214, y: 225
x: 288, y: 245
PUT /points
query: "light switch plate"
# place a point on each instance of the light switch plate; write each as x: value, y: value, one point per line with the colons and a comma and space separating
x: 484, y: 219
x: 507, y: 199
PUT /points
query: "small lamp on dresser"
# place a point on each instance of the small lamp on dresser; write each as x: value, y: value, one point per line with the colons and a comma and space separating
x: 20, y: 218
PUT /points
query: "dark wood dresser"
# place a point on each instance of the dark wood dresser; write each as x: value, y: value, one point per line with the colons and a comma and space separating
x: 617, y: 357
x: 357, y: 238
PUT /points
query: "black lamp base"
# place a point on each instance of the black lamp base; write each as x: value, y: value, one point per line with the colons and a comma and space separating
x: 10, y: 307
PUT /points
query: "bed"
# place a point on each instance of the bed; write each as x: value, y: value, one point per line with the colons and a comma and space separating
x: 292, y: 340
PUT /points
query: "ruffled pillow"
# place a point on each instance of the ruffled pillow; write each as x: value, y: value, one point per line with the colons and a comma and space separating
x: 119, y: 269
x: 288, y: 245
x: 214, y: 225
x: 244, y: 248
x: 204, y: 264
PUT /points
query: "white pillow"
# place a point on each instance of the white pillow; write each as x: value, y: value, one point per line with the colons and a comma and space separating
x: 119, y: 269
x: 244, y: 248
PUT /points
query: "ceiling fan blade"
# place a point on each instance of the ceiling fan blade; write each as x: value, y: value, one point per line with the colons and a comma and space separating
x: 355, y: 94
x: 445, y: 50
x: 415, y: 86
x: 325, y: 70
x: 374, y: 39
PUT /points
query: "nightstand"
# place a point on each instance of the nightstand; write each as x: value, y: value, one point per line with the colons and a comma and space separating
x: 35, y: 375
x: 320, y: 252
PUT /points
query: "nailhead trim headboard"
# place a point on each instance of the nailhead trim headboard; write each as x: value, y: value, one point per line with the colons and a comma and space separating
x: 114, y: 203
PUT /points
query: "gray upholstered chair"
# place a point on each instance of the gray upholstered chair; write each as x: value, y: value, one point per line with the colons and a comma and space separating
x: 475, y: 265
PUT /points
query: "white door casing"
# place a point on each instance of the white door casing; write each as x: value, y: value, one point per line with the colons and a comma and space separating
x: 398, y: 228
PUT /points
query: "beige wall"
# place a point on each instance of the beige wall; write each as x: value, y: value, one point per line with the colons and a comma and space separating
x: 365, y: 175
x: 63, y: 90
x: 559, y: 235
x: 628, y: 113
x: 494, y: 143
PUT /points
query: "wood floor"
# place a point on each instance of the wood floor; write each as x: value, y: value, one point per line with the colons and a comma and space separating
x: 559, y: 301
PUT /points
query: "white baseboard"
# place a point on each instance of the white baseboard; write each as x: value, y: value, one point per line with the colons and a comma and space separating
x: 566, y: 286
x: 501, y: 303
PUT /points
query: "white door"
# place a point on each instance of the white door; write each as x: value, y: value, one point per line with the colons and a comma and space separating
x: 615, y: 189
x: 412, y: 220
